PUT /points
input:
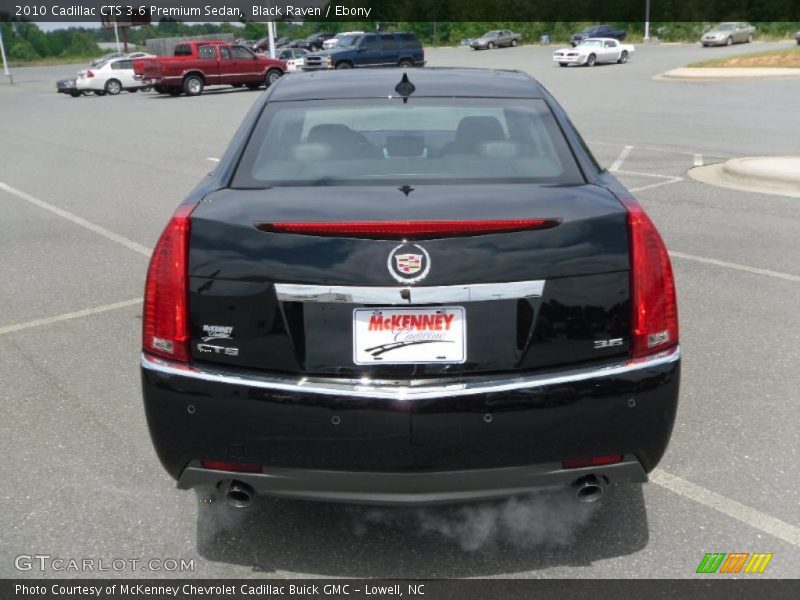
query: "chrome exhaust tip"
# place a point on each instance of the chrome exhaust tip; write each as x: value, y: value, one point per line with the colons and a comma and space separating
x: 588, y: 489
x: 237, y: 493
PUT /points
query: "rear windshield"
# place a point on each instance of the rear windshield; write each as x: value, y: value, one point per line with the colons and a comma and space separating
x: 387, y: 141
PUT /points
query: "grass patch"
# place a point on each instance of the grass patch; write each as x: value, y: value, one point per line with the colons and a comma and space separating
x: 788, y: 58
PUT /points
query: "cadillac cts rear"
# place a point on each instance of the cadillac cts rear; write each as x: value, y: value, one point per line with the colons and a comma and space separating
x: 409, y: 287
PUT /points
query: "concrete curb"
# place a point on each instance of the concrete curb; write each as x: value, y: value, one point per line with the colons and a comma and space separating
x: 727, y: 74
x: 765, y: 175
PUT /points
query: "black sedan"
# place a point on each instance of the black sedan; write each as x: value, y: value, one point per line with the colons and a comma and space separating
x: 394, y: 290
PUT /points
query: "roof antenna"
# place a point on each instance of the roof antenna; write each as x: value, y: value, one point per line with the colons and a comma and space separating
x: 405, y: 88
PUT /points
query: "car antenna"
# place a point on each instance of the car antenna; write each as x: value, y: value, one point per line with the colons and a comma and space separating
x: 405, y: 88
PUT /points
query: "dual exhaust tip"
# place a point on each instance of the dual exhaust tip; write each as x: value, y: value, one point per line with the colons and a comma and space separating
x: 589, y: 488
x: 237, y: 493
x: 240, y: 495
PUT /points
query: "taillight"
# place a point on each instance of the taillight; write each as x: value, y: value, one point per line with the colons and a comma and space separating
x: 89, y: 73
x: 409, y: 229
x: 654, y: 314
x: 165, y: 327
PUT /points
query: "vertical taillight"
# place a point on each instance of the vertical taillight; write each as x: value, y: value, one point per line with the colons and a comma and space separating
x: 165, y: 327
x: 89, y: 73
x: 654, y: 314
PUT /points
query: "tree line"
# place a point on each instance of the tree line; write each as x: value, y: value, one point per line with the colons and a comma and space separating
x: 25, y: 41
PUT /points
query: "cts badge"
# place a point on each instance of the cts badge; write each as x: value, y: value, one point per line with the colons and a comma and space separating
x: 409, y: 263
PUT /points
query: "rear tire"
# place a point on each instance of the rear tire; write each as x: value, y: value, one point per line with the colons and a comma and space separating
x: 591, y: 60
x: 513, y: 43
x: 623, y: 58
x: 750, y: 38
x: 193, y: 85
x: 75, y: 94
x: 490, y: 45
x: 272, y: 76
x: 113, y: 87
x: 405, y: 64
x: 98, y: 93
x: 729, y: 41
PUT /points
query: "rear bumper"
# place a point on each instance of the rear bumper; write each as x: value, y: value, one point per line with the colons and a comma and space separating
x: 425, y: 488
x: 425, y: 441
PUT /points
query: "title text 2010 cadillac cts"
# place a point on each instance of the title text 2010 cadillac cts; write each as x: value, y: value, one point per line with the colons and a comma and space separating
x: 409, y: 287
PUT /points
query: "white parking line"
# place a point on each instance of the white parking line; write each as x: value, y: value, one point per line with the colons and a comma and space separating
x: 664, y: 150
x: 212, y: 159
x: 68, y: 316
x: 655, y: 185
x: 738, y: 267
x: 621, y: 158
x: 640, y: 174
x: 698, y: 160
x: 745, y: 514
x: 114, y: 237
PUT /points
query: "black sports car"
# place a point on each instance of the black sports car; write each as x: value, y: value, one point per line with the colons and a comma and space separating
x: 393, y: 289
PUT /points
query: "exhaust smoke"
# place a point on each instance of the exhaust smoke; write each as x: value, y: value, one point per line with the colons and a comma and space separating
x: 547, y: 518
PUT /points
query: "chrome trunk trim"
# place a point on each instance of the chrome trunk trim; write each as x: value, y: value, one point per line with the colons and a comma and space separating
x: 445, y: 294
x: 405, y: 389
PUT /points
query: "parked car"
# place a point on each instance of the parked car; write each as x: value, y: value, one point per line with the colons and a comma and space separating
x: 797, y: 38
x: 496, y: 39
x: 110, y: 77
x: 294, y: 43
x: 330, y: 43
x: 314, y: 42
x: 140, y: 55
x: 592, y: 51
x: 197, y: 64
x: 68, y: 86
x: 597, y: 31
x: 98, y: 61
x: 293, y: 57
x: 370, y: 50
x: 726, y: 34
x: 337, y: 312
x: 262, y: 45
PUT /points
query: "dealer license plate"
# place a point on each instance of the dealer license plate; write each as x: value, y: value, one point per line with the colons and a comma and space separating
x: 395, y: 336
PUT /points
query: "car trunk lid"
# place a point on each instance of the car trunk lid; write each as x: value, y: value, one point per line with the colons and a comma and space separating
x: 569, y: 302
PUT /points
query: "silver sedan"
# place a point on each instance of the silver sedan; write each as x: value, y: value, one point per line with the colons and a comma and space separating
x: 726, y: 34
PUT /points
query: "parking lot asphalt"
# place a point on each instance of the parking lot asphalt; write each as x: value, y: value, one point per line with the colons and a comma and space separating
x: 87, y: 184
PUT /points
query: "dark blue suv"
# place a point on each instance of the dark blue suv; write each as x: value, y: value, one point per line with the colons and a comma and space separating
x: 369, y: 50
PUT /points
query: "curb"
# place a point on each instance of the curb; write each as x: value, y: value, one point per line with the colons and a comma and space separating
x: 766, y: 175
x: 727, y: 73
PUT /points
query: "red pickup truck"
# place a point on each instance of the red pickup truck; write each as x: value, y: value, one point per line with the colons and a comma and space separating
x: 197, y: 64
